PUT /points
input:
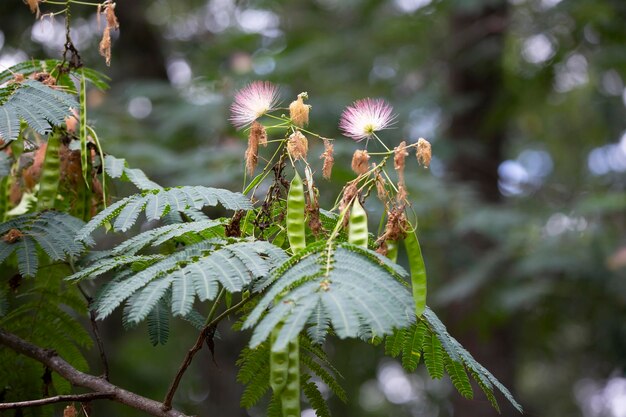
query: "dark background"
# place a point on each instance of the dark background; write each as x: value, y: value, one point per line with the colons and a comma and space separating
x: 522, y: 214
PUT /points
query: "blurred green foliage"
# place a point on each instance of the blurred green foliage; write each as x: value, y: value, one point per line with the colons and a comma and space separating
x: 537, y: 269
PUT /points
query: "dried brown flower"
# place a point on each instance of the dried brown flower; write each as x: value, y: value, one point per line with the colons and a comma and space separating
x: 12, y: 236
x: 298, y: 111
x: 258, y: 130
x: 402, y: 194
x: 297, y: 146
x: 382, y: 248
x: 34, y: 6
x: 396, y: 225
x: 423, y: 152
x: 381, y: 192
x: 399, y: 155
x: 349, y: 192
x: 70, y: 411
x: 112, y: 24
x: 109, y: 11
x: 252, y: 153
x: 18, y: 78
x: 105, y: 45
x: 312, y: 209
x: 328, y: 158
x: 44, y: 78
x: 360, y: 161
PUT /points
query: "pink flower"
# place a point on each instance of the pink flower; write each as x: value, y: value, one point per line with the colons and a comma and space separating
x: 364, y: 117
x: 252, y: 102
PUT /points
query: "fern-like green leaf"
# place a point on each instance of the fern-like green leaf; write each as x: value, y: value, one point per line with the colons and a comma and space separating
x: 330, y: 381
x: 314, y: 397
x: 159, y: 324
x: 274, y: 408
x: 183, y: 293
x: 158, y: 236
x: 143, y: 301
x: 104, y: 265
x: 356, y: 287
x: 254, y: 372
x: 53, y: 232
x: 487, y: 389
x: 196, y: 270
x: 156, y: 202
x: 459, y: 377
x: 433, y: 356
x: 395, y: 341
x: 41, y: 106
x: 319, y: 322
x: 51, y: 66
x: 27, y: 260
x: 412, y: 345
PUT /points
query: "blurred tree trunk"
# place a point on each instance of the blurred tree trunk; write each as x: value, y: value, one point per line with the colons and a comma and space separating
x: 478, y: 133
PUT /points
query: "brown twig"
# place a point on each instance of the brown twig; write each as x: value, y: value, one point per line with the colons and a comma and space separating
x: 205, y: 334
x: 52, y: 360
x: 167, y: 402
x: 58, y: 399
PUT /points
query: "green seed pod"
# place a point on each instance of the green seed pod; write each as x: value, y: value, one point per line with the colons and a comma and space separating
x: 418, y: 271
x: 50, y: 173
x: 357, y: 232
x: 279, y: 363
x: 290, y: 397
x: 295, y: 215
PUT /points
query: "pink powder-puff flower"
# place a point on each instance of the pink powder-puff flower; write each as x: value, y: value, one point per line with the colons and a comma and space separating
x: 364, y: 117
x: 252, y: 102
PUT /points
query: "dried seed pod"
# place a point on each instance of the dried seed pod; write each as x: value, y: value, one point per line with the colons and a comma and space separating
x: 360, y: 161
x: 297, y: 146
x: 298, y: 111
x: 328, y: 158
x: 423, y: 152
